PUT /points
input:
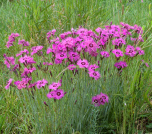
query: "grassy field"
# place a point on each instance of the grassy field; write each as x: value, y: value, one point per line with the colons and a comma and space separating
x: 129, y: 110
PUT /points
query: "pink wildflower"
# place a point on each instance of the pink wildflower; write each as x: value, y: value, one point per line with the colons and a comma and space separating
x: 55, y: 85
x: 92, y: 67
x: 83, y: 63
x: 8, y: 83
x: 94, y: 74
x: 117, y: 53
x: 23, y: 42
x: 41, y: 83
x: 104, y: 54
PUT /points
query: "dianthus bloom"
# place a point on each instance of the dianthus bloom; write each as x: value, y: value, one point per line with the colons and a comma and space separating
x: 56, y: 94
x: 83, y: 63
x: 21, y: 84
x: 8, y: 83
x: 104, y: 54
x: 71, y: 67
x: 130, y: 51
x: 100, y: 99
x: 94, y: 74
x: 9, y: 61
x: 55, y: 85
x: 121, y: 64
x: 117, y: 53
x: 41, y: 83
x: 92, y: 67
x: 141, y: 52
x: 23, y: 42
x: 35, y: 49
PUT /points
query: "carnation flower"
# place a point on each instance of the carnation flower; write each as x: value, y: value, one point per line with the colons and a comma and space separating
x: 8, y: 83
x: 41, y: 83
x: 104, y: 54
x: 117, y: 52
x: 83, y: 63
x: 55, y: 85
x: 94, y: 74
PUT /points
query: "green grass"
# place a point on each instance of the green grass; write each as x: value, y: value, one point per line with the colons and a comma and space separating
x: 129, y: 110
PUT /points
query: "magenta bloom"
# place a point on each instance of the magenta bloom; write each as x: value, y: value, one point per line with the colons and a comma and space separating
x: 21, y: 52
x: 73, y: 56
x: 117, y: 53
x: 35, y: 49
x: 121, y: 64
x: 8, y: 83
x: 92, y: 67
x: 130, y: 51
x: 26, y: 60
x: 41, y: 83
x: 104, y: 97
x: 94, y: 74
x: 20, y: 84
x: 23, y: 42
x: 104, y: 54
x: 51, y: 94
x: 59, y: 94
x: 55, y: 85
x: 100, y: 99
x: 141, y: 52
x: 9, y: 61
x: 83, y: 63
x: 56, y: 94
x: 9, y: 44
x: 32, y: 85
x: 71, y: 67
x: 61, y: 56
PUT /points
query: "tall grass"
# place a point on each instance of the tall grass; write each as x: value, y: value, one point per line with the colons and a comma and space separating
x: 129, y: 107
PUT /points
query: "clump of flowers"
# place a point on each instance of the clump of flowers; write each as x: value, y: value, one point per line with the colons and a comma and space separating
x: 74, y: 49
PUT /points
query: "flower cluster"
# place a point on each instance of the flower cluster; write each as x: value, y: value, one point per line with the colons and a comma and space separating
x: 74, y: 49
x: 100, y: 99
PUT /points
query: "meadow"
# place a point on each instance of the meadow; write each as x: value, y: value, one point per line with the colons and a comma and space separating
x: 128, y: 109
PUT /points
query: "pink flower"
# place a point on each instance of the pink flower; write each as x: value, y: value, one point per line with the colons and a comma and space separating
x: 141, y: 52
x: 26, y: 60
x: 130, y: 51
x: 92, y: 67
x: 41, y: 83
x: 9, y: 61
x: 118, y: 42
x: 9, y: 44
x: 94, y: 74
x: 23, y: 42
x: 21, y: 52
x: 73, y: 56
x: 55, y: 85
x: 83, y: 63
x: 56, y: 94
x: 100, y: 99
x: 13, y: 36
x: 104, y: 54
x: 20, y: 84
x: 49, y: 50
x: 104, y: 97
x: 61, y: 56
x: 117, y: 53
x: 121, y: 64
x: 32, y: 85
x: 35, y: 49
x: 71, y: 67
x: 59, y: 94
x: 8, y: 83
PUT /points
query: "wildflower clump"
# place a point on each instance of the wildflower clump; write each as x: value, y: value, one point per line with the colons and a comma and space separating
x: 74, y: 49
